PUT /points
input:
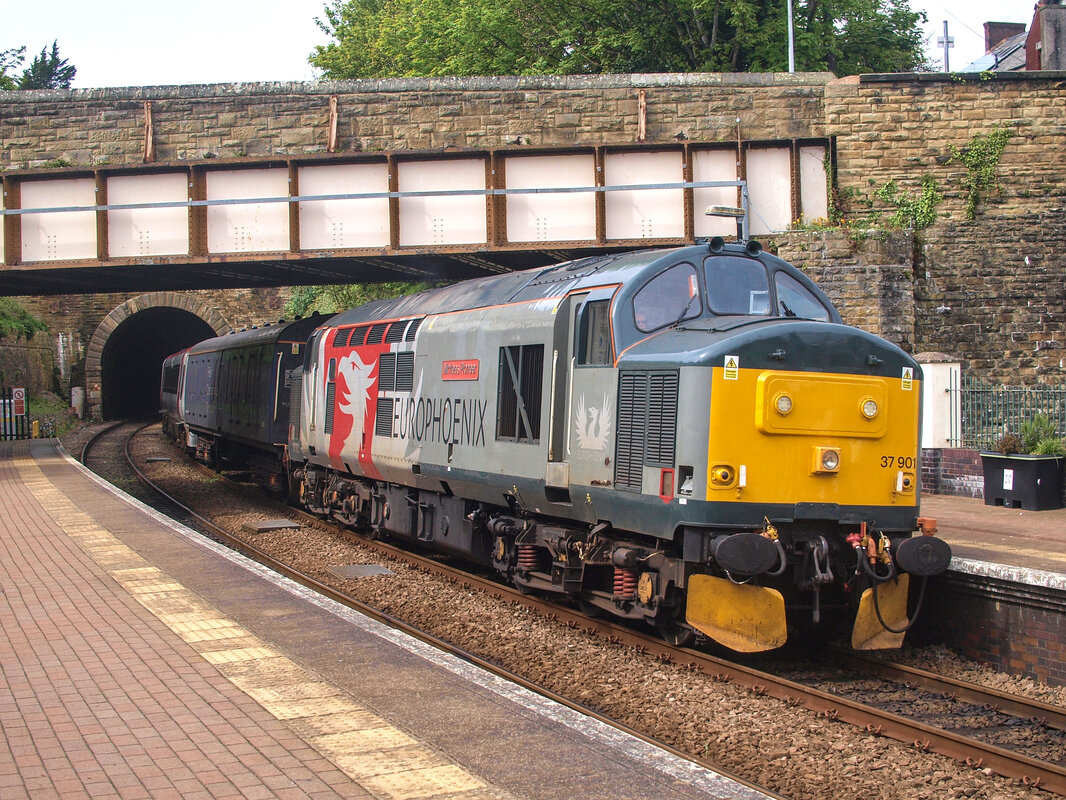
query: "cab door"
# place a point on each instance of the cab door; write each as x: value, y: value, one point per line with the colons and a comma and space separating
x: 592, y: 391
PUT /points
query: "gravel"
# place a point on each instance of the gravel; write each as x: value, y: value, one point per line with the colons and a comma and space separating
x: 764, y: 740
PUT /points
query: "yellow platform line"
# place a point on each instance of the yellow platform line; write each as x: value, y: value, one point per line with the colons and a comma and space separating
x: 380, y: 757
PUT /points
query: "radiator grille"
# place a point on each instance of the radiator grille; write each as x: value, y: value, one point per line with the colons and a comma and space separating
x: 405, y: 372
x: 647, y: 425
x: 331, y: 396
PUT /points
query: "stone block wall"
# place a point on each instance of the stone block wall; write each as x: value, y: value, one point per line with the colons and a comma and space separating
x: 988, y: 291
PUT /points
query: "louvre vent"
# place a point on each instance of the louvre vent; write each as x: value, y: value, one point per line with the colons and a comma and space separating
x: 395, y: 332
x: 383, y: 418
x: 331, y: 396
x: 647, y: 425
x: 412, y: 328
x: 295, y: 395
x: 387, y: 372
x: 377, y: 333
x: 405, y: 372
x: 358, y: 336
x: 340, y: 338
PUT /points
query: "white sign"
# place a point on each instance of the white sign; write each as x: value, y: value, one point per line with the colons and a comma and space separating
x: 732, y: 367
x: 1008, y: 480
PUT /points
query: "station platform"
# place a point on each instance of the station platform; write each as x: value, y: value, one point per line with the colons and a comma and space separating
x: 1024, y: 547
x: 140, y: 660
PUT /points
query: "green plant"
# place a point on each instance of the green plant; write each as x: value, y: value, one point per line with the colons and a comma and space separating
x: 912, y: 211
x: 980, y: 157
x: 1037, y: 436
x: 1038, y: 429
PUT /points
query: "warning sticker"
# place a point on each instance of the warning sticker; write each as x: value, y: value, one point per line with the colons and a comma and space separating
x: 732, y: 367
x: 908, y: 379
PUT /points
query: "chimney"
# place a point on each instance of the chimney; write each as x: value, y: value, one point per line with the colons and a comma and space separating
x: 996, y: 32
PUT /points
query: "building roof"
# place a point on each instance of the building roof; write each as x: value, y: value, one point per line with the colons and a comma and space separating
x: 1007, y: 56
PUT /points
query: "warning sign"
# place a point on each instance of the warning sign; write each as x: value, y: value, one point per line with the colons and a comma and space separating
x: 18, y: 402
x: 908, y: 379
x: 732, y: 367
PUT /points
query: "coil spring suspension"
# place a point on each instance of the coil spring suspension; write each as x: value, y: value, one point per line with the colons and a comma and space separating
x: 625, y: 583
x: 528, y: 557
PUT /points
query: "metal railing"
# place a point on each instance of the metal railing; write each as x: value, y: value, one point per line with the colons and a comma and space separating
x: 988, y: 411
x: 12, y: 425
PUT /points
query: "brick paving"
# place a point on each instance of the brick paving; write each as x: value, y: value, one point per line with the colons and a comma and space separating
x: 99, y: 699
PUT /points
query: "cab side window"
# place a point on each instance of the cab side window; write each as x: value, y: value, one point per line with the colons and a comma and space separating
x: 670, y: 297
x: 594, y: 333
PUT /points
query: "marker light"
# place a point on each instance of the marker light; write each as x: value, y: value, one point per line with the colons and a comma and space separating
x: 830, y: 460
x: 869, y: 408
x: 783, y: 404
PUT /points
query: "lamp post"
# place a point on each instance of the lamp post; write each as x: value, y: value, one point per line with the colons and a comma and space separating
x: 791, y: 48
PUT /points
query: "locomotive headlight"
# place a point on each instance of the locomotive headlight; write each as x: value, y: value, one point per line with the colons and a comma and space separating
x: 783, y: 403
x: 825, y: 460
x: 830, y: 460
x: 869, y: 408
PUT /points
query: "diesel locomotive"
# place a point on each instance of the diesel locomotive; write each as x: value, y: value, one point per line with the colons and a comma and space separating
x: 690, y: 438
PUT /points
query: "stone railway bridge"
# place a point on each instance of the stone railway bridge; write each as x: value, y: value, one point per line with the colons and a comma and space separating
x: 990, y: 290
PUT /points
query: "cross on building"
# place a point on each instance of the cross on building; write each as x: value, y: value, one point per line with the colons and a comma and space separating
x: 946, y: 42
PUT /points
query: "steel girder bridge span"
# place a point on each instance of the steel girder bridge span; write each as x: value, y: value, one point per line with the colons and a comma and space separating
x: 385, y: 217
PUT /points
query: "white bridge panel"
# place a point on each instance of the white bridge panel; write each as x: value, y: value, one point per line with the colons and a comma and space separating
x: 648, y: 213
x: 769, y: 189
x: 61, y: 235
x: 251, y: 227
x: 443, y: 220
x: 714, y: 165
x: 551, y: 217
x: 148, y: 231
x: 814, y: 187
x: 341, y: 224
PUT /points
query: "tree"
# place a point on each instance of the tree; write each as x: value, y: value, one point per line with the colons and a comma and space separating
x: 10, y: 60
x: 390, y: 38
x: 340, y: 297
x: 48, y: 71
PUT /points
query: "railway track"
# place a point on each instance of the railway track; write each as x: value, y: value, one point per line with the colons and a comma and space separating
x: 221, y: 534
x: 924, y: 736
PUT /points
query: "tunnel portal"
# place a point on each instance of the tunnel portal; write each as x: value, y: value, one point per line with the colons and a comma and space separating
x: 133, y: 357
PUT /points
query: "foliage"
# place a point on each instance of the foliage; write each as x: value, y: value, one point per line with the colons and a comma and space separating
x: 396, y: 38
x: 1037, y: 437
x: 912, y: 212
x: 10, y: 60
x: 46, y: 71
x: 339, y: 297
x: 1009, y: 444
x: 17, y: 321
x: 980, y: 157
x: 52, y: 414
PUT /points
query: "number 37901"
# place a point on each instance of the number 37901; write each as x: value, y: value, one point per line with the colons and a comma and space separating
x: 897, y: 462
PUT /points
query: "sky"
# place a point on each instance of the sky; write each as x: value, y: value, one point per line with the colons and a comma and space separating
x: 134, y: 43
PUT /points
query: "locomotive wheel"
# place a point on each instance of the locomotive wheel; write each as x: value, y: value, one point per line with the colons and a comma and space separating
x: 676, y: 634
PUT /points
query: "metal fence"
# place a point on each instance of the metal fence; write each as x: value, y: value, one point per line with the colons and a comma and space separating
x: 12, y: 425
x: 988, y: 411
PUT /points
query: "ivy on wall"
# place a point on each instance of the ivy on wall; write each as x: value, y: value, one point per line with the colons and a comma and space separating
x: 980, y: 157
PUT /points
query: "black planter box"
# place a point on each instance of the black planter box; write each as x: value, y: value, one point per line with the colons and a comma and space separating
x: 1016, y: 481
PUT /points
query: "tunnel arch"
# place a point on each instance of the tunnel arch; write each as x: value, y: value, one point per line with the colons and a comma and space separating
x: 124, y: 356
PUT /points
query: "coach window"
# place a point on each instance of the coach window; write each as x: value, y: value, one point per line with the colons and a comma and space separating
x: 796, y: 300
x: 668, y: 298
x: 737, y: 286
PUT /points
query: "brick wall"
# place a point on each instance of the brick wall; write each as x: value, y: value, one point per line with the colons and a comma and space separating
x: 1014, y: 627
x: 953, y: 471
